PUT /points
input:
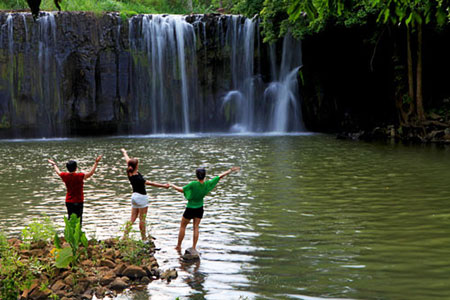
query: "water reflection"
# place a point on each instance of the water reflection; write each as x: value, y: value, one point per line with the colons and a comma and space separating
x: 308, y: 217
x: 195, y: 279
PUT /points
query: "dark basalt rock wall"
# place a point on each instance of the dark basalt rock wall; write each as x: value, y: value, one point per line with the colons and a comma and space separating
x: 76, y: 73
x: 62, y: 78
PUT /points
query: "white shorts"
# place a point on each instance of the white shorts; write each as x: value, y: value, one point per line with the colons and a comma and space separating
x: 139, y: 200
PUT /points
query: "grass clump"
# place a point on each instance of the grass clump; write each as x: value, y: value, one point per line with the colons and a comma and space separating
x: 40, y: 229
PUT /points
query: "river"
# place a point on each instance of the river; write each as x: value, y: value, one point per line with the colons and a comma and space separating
x: 307, y: 217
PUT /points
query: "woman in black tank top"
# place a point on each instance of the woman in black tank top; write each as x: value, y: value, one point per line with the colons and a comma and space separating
x: 139, y: 198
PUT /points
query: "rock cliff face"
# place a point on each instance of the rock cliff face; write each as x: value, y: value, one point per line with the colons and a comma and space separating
x: 72, y: 74
x: 59, y: 74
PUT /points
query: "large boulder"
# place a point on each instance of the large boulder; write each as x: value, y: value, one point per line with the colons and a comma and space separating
x: 134, y: 272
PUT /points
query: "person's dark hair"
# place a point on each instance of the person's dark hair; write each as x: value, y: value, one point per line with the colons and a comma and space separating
x: 132, y: 165
x: 200, y: 173
x: 71, y: 165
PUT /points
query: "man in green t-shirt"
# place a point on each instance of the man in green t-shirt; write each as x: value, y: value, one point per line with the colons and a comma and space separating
x: 194, y: 192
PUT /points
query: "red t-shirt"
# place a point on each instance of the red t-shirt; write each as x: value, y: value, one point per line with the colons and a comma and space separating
x: 74, y: 184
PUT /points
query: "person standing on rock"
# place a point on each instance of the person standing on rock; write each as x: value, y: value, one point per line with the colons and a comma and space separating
x: 194, y: 192
x: 139, y: 198
x: 74, y: 183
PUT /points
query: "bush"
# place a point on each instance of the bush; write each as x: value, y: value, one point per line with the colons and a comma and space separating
x: 14, y: 275
x: 40, y: 229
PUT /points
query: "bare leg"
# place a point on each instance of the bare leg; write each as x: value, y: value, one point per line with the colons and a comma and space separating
x: 196, y: 232
x: 182, y: 231
x: 134, y: 214
x: 142, y: 217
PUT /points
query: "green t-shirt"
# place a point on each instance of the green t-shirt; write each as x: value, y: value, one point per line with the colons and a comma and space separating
x: 195, y: 191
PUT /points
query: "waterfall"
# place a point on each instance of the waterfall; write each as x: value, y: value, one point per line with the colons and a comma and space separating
x: 170, y: 71
x: 282, y: 92
x: 241, y: 39
x: 175, y: 74
x: 12, y: 103
x: 10, y: 26
x: 51, y: 107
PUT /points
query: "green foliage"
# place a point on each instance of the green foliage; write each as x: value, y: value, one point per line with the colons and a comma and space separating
x: 3, y: 243
x: 302, y: 17
x: 125, y: 7
x: 64, y: 257
x: 412, y: 12
x: 14, y: 275
x: 76, y: 238
x: 13, y: 4
x: 40, y: 229
x: 134, y: 251
x: 248, y: 8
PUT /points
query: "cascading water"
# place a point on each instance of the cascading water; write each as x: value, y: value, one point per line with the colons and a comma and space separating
x: 40, y: 90
x: 174, y: 74
x: 246, y: 97
x: 241, y: 39
x: 49, y: 87
x: 167, y: 86
x: 282, y: 92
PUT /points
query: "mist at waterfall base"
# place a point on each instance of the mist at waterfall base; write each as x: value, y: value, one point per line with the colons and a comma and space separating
x: 163, y: 89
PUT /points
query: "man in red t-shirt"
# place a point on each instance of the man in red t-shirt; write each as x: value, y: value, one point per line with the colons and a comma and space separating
x: 74, y: 184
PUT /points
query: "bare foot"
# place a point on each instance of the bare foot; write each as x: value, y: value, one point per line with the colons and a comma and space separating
x: 178, y: 248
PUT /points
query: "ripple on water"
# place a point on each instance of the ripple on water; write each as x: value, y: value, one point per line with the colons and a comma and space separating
x: 308, y: 217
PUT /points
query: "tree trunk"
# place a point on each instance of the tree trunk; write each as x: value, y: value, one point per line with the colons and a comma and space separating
x: 419, y: 92
x: 407, y: 107
x: 410, y: 66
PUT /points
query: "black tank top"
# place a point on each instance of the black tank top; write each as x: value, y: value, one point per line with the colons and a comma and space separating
x: 138, y: 183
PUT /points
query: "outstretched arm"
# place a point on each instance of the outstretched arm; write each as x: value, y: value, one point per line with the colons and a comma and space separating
x: 233, y: 169
x: 125, y: 155
x: 162, y: 185
x: 177, y: 188
x: 92, y: 171
x: 55, y: 167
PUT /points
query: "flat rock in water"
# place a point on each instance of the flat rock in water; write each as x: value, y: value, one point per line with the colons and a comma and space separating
x: 191, y: 254
x: 169, y: 274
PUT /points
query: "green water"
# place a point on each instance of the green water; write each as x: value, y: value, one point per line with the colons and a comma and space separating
x: 308, y: 217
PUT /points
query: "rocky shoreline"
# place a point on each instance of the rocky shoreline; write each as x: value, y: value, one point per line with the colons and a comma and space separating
x: 428, y: 132
x: 105, y: 268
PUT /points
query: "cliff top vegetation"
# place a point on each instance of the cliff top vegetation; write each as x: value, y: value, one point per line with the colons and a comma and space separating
x: 125, y: 6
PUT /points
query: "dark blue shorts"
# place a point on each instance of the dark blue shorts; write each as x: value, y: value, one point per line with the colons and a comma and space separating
x: 191, y: 213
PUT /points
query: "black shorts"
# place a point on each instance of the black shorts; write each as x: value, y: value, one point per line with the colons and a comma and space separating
x: 191, y: 213
x: 75, y: 208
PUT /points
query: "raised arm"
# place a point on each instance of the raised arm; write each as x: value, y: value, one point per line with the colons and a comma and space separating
x: 55, y: 167
x: 125, y: 155
x: 177, y: 188
x: 162, y: 185
x: 92, y: 171
x: 233, y: 169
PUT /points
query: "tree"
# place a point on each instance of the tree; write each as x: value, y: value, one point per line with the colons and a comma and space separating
x: 411, y: 15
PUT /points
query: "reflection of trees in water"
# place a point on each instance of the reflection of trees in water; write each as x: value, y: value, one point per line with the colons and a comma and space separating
x: 195, y: 279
